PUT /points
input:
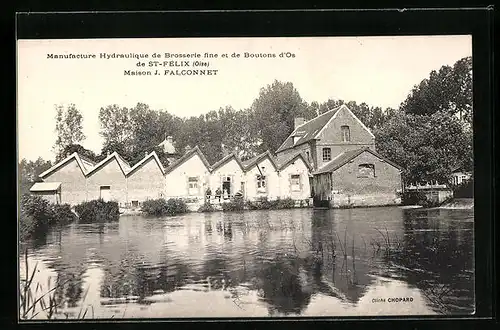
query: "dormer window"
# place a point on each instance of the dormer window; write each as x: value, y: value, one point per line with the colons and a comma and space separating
x: 295, y: 139
x: 346, y: 134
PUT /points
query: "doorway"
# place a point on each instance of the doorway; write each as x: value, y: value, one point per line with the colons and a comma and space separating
x: 105, y: 193
x: 226, y: 187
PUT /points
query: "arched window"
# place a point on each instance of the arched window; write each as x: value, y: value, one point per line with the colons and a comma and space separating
x: 346, y: 134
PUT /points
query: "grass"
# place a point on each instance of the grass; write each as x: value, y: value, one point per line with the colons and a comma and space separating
x: 35, y: 299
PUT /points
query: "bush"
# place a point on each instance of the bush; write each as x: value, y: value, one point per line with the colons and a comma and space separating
x: 286, y: 203
x: 97, y: 211
x: 236, y: 203
x: 176, y: 206
x: 38, y: 209
x: 262, y: 203
x: 414, y: 198
x: 63, y: 214
x: 27, y: 226
x: 206, y: 207
x: 36, y: 215
x: 160, y: 207
x: 154, y: 207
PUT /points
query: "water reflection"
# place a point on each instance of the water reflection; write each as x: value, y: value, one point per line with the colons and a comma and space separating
x: 443, y: 241
x: 266, y: 263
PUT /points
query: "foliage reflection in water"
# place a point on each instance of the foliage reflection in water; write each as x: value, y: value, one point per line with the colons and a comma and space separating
x: 264, y: 263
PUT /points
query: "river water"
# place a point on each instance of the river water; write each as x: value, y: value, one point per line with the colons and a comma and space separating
x: 298, y: 262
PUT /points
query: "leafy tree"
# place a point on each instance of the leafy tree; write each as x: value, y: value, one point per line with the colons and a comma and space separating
x: 68, y: 128
x: 72, y: 148
x: 427, y: 147
x: 448, y: 90
x: 29, y: 171
x: 329, y: 105
x: 273, y: 113
x: 116, y: 127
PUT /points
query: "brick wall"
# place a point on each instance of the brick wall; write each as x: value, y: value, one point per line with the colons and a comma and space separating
x: 331, y: 136
x: 349, y: 187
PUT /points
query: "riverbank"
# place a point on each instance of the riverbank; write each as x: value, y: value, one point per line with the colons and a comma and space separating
x: 459, y: 204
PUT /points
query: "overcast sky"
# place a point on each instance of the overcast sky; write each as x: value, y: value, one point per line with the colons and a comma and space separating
x: 377, y: 70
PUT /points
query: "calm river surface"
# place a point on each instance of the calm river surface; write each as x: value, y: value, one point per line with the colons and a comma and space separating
x: 299, y: 262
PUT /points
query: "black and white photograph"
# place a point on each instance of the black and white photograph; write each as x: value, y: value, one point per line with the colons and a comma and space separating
x: 245, y: 177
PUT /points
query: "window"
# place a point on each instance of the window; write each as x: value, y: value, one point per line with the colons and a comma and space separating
x: 327, y: 154
x: 308, y: 156
x: 261, y: 183
x: 346, y: 134
x: 193, y: 187
x: 295, y: 182
x: 135, y: 203
x: 366, y: 171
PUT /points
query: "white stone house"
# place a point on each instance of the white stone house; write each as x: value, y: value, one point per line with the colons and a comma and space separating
x: 188, y: 177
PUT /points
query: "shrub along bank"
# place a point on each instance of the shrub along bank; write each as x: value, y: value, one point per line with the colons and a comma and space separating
x: 264, y: 204
x: 36, y: 215
x: 97, y: 211
x: 161, y: 207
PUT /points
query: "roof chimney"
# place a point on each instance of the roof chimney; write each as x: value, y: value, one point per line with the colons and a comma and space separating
x: 298, y: 121
x: 145, y: 154
x: 109, y: 153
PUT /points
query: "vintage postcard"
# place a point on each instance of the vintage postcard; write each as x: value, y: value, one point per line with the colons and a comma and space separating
x: 245, y: 177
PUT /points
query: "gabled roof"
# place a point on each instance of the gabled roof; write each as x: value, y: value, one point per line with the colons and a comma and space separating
x: 46, y: 186
x: 124, y: 167
x: 285, y: 161
x: 144, y: 160
x: 73, y: 156
x: 308, y: 130
x: 226, y: 160
x: 347, y: 156
x: 255, y: 160
x: 87, y: 162
x: 186, y: 156
x: 123, y: 162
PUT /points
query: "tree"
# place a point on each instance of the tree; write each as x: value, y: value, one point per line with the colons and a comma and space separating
x: 29, y: 171
x: 447, y: 90
x: 273, y: 113
x: 68, y: 128
x: 427, y: 147
x: 72, y: 148
x: 116, y: 127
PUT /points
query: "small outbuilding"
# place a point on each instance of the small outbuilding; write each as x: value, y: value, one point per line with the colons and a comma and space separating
x: 358, y: 177
x: 50, y: 191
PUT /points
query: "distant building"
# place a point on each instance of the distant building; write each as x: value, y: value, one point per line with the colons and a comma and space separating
x: 347, y: 171
x: 111, y: 179
x: 188, y: 176
x: 169, y: 149
x: 331, y: 157
x: 459, y: 176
